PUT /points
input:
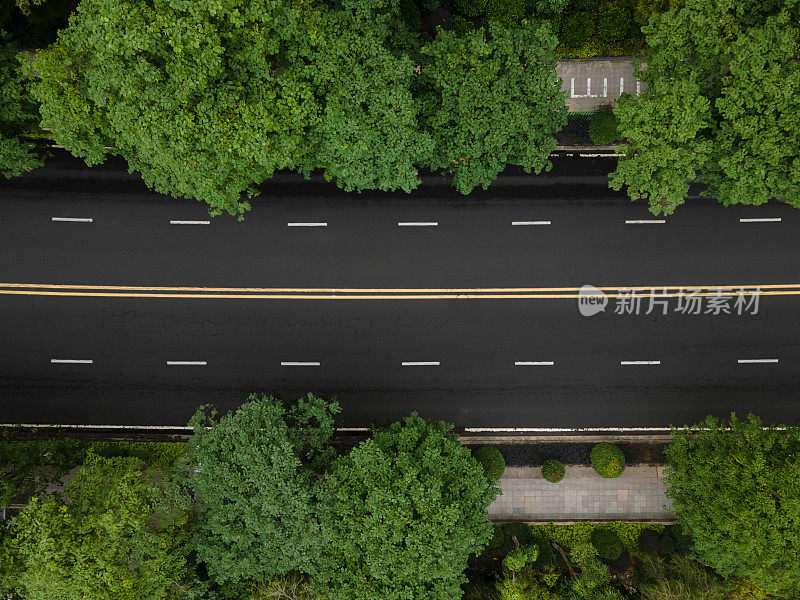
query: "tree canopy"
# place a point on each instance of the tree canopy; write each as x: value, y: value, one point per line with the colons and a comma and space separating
x: 252, y: 478
x: 115, y: 535
x: 402, y: 512
x: 492, y: 101
x: 722, y: 105
x: 737, y: 494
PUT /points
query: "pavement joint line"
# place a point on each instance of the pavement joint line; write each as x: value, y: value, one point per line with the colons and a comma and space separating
x: 320, y: 224
x: 187, y: 363
x: 531, y: 222
x: 190, y: 222
x: 300, y: 364
x: 71, y: 361
x: 765, y: 220
x: 73, y: 219
x: 540, y: 363
x: 640, y: 362
x: 749, y: 361
x: 417, y: 223
x: 421, y: 364
x: 644, y: 221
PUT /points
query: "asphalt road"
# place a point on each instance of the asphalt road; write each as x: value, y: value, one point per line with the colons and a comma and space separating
x: 488, y: 302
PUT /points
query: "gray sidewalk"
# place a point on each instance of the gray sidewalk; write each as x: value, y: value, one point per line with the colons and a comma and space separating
x: 593, y: 83
x: 582, y: 495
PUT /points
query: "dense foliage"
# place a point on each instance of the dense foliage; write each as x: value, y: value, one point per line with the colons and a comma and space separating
x: 553, y: 470
x: 492, y: 461
x: 17, y: 113
x: 607, y: 459
x: 491, y: 101
x: 603, y: 128
x: 251, y: 474
x: 115, y: 535
x: 403, y: 511
x: 737, y: 494
x: 722, y: 104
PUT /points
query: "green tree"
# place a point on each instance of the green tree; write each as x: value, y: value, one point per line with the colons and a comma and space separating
x: 722, y: 105
x: 17, y: 113
x: 403, y: 511
x: 252, y: 474
x: 369, y: 136
x: 206, y: 99
x: 115, y: 535
x: 677, y: 578
x: 737, y: 494
x: 491, y: 101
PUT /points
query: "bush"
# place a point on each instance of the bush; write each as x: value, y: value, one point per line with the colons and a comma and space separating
x: 582, y: 5
x: 614, y: 24
x: 506, y: 12
x: 607, y: 460
x: 603, y: 128
x: 550, y: 8
x: 553, y: 470
x: 520, y: 531
x: 649, y: 542
x: 577, y: 29
x: 461, y: 25
x: 471, y: 8
x: 607, y: 543
x: 492, y: 461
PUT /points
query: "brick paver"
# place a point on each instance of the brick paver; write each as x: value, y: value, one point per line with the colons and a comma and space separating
x: 593, y: 83
x: 637, y: 494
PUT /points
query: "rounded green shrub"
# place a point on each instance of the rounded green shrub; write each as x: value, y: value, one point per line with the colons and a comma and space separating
x: 471, y: 8
x: 603, y: 128
x: 576, y: 29
x: 492, y: 461
x: 553, y: 470
x: 614, y: 24
x: 607, y: 460
x: 505, y: 12
x: 607, y: 543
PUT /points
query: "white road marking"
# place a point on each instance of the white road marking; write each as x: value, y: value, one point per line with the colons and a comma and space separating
x: 71, y: 361
x: 306, y: 224
x: 190, y: 222
x: 417, y: 223
x: 644, y: 221
x: 640, y: 362
x: 769, y: 220
x: 605, y: 87
x: 421, y: 364
x: 530, y: 222
x: 72, y: 219
x: 638, y: 87
x: 543, y: 363
x: 299, y: 364
x: 621, y: 86
x: 749, y: 361
x: 186, y: 363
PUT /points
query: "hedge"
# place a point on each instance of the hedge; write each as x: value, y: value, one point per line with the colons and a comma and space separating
x: 614, y: 24
x: 568, y: 535
x: 608, y: 460
x: 576, y: 29
x: 492, y: 461
x: 553, y: 470
x: 603, y: 128
x: 607, y: 543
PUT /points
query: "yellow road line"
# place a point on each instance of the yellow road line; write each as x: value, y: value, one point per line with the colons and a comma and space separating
x: 371, y: 296
x: 256, y: 290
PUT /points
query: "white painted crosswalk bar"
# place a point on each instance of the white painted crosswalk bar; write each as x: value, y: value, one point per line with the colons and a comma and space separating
x: 767, y: 220
x: 71, y: 361
x: 530, y: 222
x: 640, y: 362
x: 750, y: 361
x: 72, y: 219
x: 299, y: 364
x: 535, y: 363
x: 190, y: 222
x: 186, y: 363
x: 306, y: 224
x: 418, y: 224
x: 644, y: 221
x: 421, y: 364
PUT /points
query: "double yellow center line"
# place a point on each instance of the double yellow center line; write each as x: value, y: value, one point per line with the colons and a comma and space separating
x: 257, y: 293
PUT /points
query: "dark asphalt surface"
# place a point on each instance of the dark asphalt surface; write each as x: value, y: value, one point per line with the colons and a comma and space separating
x: 360, y: 345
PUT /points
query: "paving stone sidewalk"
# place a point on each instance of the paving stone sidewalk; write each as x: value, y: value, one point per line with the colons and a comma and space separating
x: 637, y: 494
x: 594, y: 83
